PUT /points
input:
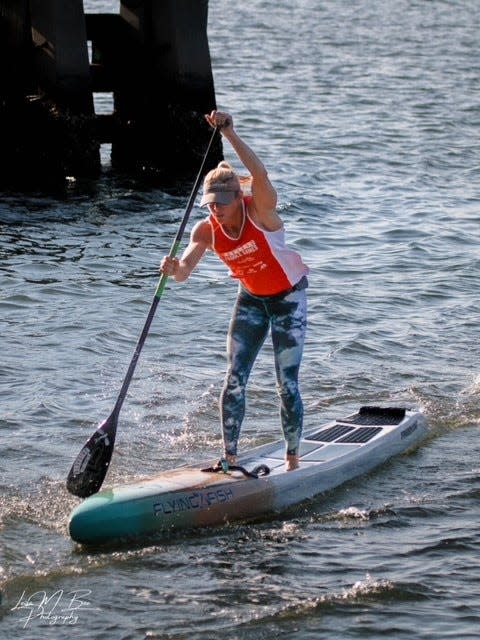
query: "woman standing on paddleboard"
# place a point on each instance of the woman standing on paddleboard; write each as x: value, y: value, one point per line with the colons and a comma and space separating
x: 247, y: 234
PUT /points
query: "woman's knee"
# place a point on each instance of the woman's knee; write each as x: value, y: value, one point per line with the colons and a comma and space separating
x: 234, y: 384
x: 288, y: 391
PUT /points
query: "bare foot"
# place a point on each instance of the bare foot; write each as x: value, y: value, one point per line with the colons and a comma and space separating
x: 292, y: 462
x: 231, y: 459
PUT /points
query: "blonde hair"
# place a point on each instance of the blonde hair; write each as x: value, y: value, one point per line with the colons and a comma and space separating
x: 223, y: 174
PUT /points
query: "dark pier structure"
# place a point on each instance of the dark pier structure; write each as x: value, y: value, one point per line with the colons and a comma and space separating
x: 152, y: 57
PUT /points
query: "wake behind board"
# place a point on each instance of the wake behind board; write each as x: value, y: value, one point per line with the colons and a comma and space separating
x: 202, y: 496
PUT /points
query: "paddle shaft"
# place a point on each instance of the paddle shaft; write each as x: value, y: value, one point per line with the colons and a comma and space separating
x: 90, y: 466
x: 161, y: 283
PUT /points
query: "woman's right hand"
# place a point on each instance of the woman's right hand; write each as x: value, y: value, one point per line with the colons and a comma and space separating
x: 169, y: 266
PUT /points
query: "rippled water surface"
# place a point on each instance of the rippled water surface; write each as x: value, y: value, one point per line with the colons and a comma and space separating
x: 367, y: 116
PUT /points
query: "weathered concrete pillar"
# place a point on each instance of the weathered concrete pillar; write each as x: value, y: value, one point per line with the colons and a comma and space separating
x: 154, y: 58
x: 180, y: 52
x: 60, y: 55
x: 15, y: 46
x: 47, y: 119
x: 173, y: 76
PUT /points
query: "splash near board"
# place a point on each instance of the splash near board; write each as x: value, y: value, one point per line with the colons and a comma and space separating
x: 209, y: 495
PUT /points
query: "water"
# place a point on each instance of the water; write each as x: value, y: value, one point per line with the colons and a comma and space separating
x: 367, y: 116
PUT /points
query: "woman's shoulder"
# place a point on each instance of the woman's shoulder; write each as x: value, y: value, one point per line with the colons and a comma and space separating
x: 202, y: 231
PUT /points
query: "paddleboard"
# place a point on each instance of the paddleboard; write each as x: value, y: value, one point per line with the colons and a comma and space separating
x: 209, y: 494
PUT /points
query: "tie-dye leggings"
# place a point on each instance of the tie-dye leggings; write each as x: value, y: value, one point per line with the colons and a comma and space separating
x: 251, y: 319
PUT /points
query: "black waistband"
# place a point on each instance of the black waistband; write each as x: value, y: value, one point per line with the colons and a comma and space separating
x: 301, y: 284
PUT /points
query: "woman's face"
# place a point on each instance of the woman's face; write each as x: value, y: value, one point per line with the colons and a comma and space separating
x: 226, y: 213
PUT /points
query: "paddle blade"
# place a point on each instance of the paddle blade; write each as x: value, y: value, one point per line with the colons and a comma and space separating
x: 91, y: 465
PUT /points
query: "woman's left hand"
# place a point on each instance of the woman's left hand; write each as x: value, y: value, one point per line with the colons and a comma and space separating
x: 220, y: 119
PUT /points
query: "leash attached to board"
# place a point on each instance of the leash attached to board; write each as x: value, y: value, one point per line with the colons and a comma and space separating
x: 223, y: 466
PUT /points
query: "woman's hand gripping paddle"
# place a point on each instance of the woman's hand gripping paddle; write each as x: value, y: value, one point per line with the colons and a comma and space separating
x: 90, y: 467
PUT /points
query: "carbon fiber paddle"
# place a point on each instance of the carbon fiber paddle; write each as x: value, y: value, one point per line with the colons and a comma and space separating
x: 91, y: 465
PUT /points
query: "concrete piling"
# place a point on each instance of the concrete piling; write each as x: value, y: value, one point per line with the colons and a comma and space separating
x: 152, y: 56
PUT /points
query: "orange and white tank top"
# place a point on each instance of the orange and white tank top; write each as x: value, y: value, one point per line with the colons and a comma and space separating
x: 258, y: 258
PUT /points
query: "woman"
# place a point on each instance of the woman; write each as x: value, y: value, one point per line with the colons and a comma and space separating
x: 247, y: 233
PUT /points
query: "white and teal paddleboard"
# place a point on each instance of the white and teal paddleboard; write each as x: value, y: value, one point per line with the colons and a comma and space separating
x: 204, y: 496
